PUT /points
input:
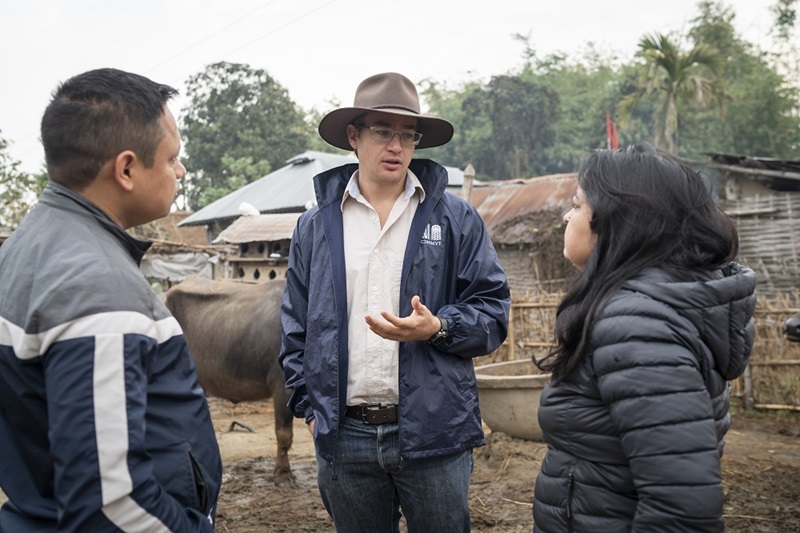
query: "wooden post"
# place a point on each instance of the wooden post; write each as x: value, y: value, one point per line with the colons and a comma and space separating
x: 510, y: 338
x: 748, y: 388
x: 469, y: 179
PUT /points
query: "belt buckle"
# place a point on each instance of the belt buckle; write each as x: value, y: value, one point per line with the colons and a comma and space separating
x: 369, y: 409
x: 376, y: 414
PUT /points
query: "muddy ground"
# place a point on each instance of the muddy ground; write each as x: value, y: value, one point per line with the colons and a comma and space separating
x: 761, y: 471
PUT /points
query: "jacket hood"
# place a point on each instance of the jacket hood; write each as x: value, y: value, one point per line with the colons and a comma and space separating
x: 720, y: 304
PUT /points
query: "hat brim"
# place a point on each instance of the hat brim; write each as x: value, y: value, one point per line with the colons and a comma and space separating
x: 333, y: 126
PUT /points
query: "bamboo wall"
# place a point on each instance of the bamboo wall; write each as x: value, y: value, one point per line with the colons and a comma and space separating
x: 769, y: 239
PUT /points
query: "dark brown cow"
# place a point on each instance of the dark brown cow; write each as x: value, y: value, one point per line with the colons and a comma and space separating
x: 233, y: 331
x: 791, y: 329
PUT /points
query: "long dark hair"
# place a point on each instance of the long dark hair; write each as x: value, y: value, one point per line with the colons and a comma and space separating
x: 649, y: 209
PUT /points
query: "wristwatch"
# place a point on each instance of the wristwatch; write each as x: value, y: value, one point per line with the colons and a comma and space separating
x: 440, y: 336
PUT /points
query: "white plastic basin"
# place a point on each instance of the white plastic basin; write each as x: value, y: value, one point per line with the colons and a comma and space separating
x: 509, y: 397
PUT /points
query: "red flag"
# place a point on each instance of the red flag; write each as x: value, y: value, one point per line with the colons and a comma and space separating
x: 612, y: 139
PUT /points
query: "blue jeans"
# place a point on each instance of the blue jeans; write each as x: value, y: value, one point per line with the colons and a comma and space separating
x: 368, y: 483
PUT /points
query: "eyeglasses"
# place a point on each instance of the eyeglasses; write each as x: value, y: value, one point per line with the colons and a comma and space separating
x: 385, y: 135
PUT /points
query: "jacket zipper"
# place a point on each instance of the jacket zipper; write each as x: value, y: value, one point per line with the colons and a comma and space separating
x: 570, y: 492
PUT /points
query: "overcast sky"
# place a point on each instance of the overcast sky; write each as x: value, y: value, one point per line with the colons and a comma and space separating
x: 318, y: 49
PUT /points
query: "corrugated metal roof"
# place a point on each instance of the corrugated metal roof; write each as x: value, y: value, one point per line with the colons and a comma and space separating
x: 508, y: 208
x: 749, y: 161
x: 256, y: 228
x: 288, y: 189
x: 776, y: 174
x: 500, y: 202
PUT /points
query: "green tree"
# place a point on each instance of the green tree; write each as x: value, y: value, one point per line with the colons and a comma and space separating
x: 786, y: 56
x: 675, y: 79
x: 237, y: 119
x: 785, y: 14
x: 761, y: 114
x: 538, y: 120
x: 589, y: 87
x: 520, y: 113
x: 504, y: 132
x: 236, y: 173
x: 446, y: 102
x: 313, y: 118
x: 18, y: 190
x: 502, y: 128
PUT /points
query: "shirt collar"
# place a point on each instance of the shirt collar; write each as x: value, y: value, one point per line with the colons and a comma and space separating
x: 412, y: 185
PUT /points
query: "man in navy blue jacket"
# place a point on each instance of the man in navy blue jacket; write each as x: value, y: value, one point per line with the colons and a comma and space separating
x: 393, y: 287
x: 103, y: 426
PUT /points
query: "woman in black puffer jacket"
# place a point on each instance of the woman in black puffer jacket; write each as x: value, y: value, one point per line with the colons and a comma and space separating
x: 657, y: 322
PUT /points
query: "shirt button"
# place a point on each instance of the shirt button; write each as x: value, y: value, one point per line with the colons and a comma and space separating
x: 376, y: 252
x: 374, y: 287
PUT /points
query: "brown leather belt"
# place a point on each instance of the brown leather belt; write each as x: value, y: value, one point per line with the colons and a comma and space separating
x: 373, y: 414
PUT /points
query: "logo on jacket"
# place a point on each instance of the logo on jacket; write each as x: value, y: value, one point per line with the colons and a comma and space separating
x: 432, y: 235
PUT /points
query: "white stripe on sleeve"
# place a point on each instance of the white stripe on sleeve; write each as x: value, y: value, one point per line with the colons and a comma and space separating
x: 32, y: 345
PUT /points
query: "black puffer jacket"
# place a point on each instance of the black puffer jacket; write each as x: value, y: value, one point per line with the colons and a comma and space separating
x: 635, y: 433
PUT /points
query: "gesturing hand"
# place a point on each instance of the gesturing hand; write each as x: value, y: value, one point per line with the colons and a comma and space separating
x: 420, y: 325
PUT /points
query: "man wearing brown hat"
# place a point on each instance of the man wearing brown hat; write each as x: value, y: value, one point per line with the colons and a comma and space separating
x: 393, y: 287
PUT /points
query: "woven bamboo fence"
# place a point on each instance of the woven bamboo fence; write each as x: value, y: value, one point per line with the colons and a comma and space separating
x: 769, y: 239
x: 771, y: 380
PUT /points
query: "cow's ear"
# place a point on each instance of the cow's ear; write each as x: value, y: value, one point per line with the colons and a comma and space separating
x: 124, y: 166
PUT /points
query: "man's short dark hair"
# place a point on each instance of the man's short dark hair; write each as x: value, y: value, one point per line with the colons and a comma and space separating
x: 96, y: 115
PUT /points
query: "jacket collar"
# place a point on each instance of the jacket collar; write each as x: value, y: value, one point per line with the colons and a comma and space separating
x: 330, y: 185
x: 60, y: 197
x: 412, y: 185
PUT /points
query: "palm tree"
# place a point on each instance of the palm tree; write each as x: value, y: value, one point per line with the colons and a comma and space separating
x: 675, y: 79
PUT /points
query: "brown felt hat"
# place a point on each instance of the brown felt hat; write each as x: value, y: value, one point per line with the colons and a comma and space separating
x: 388, y: 93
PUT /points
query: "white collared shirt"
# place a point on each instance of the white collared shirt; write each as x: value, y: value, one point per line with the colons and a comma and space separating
x: 374, y: 262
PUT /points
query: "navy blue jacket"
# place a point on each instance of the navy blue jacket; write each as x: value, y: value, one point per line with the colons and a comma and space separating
x: 455, y: 271
x: 103, y: 426
x: 635, y: 433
